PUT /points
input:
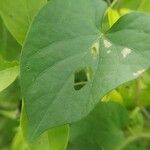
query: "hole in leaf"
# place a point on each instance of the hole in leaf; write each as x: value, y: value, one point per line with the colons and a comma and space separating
x: 95, y: 48
x: 81, y: 77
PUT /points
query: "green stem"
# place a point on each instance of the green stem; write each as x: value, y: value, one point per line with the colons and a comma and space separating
x: 132, y: 139
x: 145, y: 112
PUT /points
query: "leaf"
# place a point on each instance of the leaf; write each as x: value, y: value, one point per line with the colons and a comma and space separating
x: 8, y: 73
x: 138, y: 5
x: 69, y: 41
x: 130, y: 91
x: 144, y: 6
x: 9, y: 48
x: 114, y: 15
x: 10, y: 96
x: 58, y: 137
x: 102, y: 126
x: 114, y: 96
x: 18, y: 15
x: 55, y: 139
x: 7, y: 127
x: 18, y: 142
x: 40, y: 142
x: 132, y: 4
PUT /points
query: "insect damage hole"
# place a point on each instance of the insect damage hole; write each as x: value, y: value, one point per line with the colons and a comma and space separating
x: 95, y: 48
x: 81, y: 77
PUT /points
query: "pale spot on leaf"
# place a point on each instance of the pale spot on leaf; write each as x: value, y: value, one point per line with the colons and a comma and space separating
x: 88, y: 75
x: 139, y: 72
x: 107, y: 44
x: 125, y: 52
x: 95, y: 48
x: 109, y: 51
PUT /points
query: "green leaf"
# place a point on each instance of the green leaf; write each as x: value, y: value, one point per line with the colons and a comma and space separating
x: 18, y: 15
x: 130, y: 4
x: 114, y: 96
x: 114, y: 15
x: 144, y: 6
x: 10, y: 96
x: 128, y: 92
x: 7, y: 131
x: 40, y: 142
x: 138, y: 5
x: 58, y: 137
x: 136, y: 91
x: 55, y: 139
x: 104, y: 125
x: 9, y: 48
x: 18, y: 142
x: 59, y: 46
x: 8, y: 73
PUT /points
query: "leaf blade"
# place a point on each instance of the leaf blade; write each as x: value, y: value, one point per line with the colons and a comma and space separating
x: 76, y: 39
x: 8, y: 73
x: 17, y: 15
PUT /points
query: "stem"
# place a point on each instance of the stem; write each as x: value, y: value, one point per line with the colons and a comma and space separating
x: 133, y: 138
x: 145, y: 112
x: 130, y: 130
x: 108, y: 2
x: 138, y: 91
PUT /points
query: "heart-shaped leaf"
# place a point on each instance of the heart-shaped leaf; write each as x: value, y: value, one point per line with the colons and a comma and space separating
x: 65, y: 40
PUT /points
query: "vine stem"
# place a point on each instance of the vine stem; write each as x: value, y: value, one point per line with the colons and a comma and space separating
x: 111, y: 4
x: 108, y: 2
x: 145, y: 112
x: 133, y: 138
